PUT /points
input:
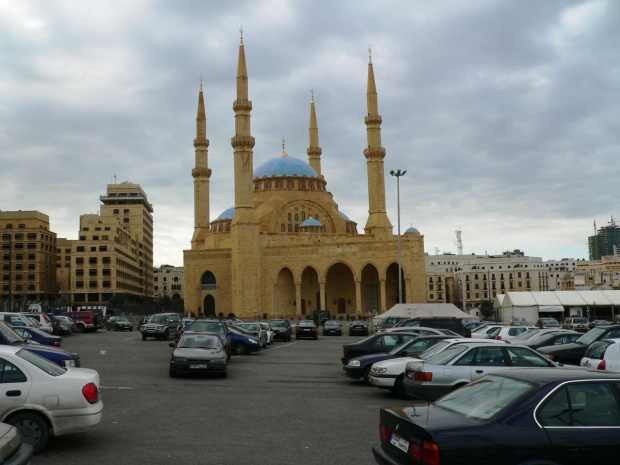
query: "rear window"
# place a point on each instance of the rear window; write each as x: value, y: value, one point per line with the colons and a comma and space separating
x: 597, y: 350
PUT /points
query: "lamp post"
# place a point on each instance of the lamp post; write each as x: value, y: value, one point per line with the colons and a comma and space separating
x: 398, y: 174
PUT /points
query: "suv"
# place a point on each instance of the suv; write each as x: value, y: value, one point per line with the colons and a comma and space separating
x: 161, y: 326
x: 85, y: 320
x: 439, y: 322
x: 281, y: 329
x: 576, y: 324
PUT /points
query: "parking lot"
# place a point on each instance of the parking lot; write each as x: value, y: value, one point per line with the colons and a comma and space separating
x: 289, y: 403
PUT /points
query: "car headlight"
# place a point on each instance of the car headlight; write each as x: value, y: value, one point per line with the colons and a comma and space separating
x: 68, y: 363
x: 255, y: 341
x: 354, y: 363
x: 222, y: 360
x: 379, y: 371
x: 179, y: 359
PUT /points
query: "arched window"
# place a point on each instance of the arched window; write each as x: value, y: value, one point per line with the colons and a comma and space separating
x: 268, y: 185
x: 290, y: 217
x: 296, y: 216
x: 290, y: 228
x: 296, y: 227
x: 278, y: 184
x: 282, y: 228
x: 290, y: 184
x: 316, y: 217
x: 208, y: 278
x: 303, y: 216
x: 301, y: 184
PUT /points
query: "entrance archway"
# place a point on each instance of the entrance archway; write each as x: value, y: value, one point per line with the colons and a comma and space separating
x: 209, y: 306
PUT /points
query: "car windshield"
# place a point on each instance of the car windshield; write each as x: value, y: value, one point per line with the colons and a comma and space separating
x: 398, y: 348
x: 159, y: 319
x: 446, y: 355
x: 250, y: 326
x: 580, y: 320
x: 42, y: 363
x: 10, y: 334
x: 240, y: 330
x: 199, y: 341
x: 121, y: 319
x: 590, y: 336
x: 526, y: 334
x: 210, y: 326
x: 433, y: 350
x: 277, y: 324
x: 332, y: 323
x: 484, y: 398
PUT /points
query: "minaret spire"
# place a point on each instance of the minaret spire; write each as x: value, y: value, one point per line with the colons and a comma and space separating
x: 378, y: 222
x: 201, y: 174
x: 314, y: 151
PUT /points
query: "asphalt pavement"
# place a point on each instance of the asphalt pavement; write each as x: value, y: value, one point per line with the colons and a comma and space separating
x: 288, y: 404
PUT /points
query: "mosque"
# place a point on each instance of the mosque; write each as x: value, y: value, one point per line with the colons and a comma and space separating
x: 285, y: 248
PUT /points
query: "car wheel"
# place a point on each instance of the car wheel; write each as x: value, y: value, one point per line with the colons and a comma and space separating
x: 367, y: 374
x: 116, y: 328
x: 297, y: 338
x: 144, y: 337
x: 108, y: 328
x: 399, y: 388
x: 165, y: 336
x: 316, y: 337
x: 239, y: 348
x: 32, y: 428
x: 223, y: 374
x: 80, y: 328
x: 131, y: 329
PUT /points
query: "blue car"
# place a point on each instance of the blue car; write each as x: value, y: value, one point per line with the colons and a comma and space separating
x: 359, y: 367
x: 8, y: 336
x: 242, y: 344
x: 36, y: 335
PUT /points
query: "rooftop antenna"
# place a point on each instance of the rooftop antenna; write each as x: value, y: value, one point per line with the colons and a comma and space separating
x: 459, y: 242
x: 436, y: 250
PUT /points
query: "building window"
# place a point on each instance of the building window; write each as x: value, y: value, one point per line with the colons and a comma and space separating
x: 79, y: 284
x: 79, y: 272
x: 92, y: 260
x: 103, y: 248
x: 125, y: 220
x: 92, y: 272
x: 116, y: 211
x: 79, y: 260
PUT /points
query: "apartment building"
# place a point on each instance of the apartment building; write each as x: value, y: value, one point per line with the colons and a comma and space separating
x: 28, y: 259
x: 168, y: 282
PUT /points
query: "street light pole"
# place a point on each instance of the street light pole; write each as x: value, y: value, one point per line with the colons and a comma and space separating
x: 398, y: 174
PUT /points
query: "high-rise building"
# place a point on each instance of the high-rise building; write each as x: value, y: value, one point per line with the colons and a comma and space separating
x: 28, y: 259
x: 606, y: 241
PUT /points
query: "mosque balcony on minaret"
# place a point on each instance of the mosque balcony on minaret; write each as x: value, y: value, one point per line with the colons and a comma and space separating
x: 374, y: 152
x: 373, y: 119
x: 201, y: 143
x: 242, y: 142
x: 242, y: 105
x: 201, y: 173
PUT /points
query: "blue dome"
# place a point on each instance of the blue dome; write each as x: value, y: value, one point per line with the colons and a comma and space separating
x: 311, y: 222
x: 412, y: 229
x: 227, y: 214
x: 344, y: 216
x: 285, y: 166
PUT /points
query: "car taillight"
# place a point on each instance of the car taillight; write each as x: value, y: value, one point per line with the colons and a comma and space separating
x: 57, y: 344
x: 499, y: 338
x: 430, y: 453
x: 314, y: 330
x: 346, y: 352
x: 384, y: 433
x: 601, y: 366
x: 299, y: 330
x: 91, y: 393
x: 422, y: 376
x: 550, y: 357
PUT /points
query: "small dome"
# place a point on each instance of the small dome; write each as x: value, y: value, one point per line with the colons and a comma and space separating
x: 344, y: 216
x: 311, y: 222
x: 285, y: 166
x: 411, y: 229
x: 227, y: 214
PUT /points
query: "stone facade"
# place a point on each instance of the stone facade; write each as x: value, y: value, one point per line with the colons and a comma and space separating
x: 285, y: 248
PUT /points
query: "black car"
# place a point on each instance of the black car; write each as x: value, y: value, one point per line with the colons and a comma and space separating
x: 212, y: 326
x: 573, y: 353
x: 438, y: 322
x: 307, y: 329
x: 332, y: 327
x: 281, y: 329
x: 525, y: 416
x: 358, y: 328
x: 119, y: 323
x: 381, y: 342
x: 554, y: 339
x: 359, y: 367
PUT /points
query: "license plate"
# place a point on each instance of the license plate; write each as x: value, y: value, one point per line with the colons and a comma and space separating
x: 399, y: 442
x: 199, y: 366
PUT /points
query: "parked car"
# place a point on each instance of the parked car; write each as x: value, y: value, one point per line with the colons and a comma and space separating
x: 472, y: 325
x: 359, y: 367
x: 85, y: 320
x: 161, y: 326
x: 390, y: 374
x: 603, y: 355
x: 390, y: 322
x: 255, y: 330
x: 242, y: 342
x: 269, y: 331
x: 281, y: 329
x: 573, y: 352
x: 594, y: 323
x: 576, y: 324
x: 57, y: 329
x: 119, y: 323
x: 9, y: 337
x: 211, y: 326
x: 187, y: 320
x: 16, y: 319
x: 306, y: 329
x: 380, y: 342
x: 332, y: 327
x: 43, y: 399
x: 551, y: 339
x: 548, y: 323
x: 13, y: 450
x: 422, y: 331
x: 198, y: 352
x: 458, y: 365
x: 36, y: 335
x: 44, y: 321
x: 509, y: 332
x: 67, y: 325
x: 487, y: 331
x: 358, y: 328
x: 440, y: 322
x: 511, y: 417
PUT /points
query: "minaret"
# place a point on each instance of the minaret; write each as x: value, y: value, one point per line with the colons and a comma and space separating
x: 314, y: 151
x: 245, y: 226
x: 201, y: 174
x: 378, y: 222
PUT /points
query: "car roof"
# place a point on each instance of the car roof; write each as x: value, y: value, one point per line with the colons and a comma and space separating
x: 10, y: 349
x: 202, y: 333
x: 545, y: 375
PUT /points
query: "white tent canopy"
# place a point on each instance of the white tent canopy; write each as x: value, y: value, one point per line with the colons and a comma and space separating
x: 422, y: 310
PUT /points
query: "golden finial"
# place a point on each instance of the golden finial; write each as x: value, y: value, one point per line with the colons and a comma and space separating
x: 312, y: 92
x: 369, y: 55
x: 283, y: 154
x: 241, y: 31
x: 283, y: 144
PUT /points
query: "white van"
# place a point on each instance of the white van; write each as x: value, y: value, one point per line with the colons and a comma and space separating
x: 45, y: 323
x: 16, y: 319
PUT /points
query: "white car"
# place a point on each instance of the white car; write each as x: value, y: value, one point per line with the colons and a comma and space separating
x: 486, y: 332
x: 510, y: 332
x: 389, y: 374
x: 422, y: 331
x: 270, y: 332
x: 43, y: 399
x: 603, y: 355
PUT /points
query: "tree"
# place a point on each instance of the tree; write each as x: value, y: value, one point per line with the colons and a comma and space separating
x: 486, y: 310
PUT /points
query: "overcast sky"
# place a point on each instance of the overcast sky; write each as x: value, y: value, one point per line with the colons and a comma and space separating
x: 505, y: 114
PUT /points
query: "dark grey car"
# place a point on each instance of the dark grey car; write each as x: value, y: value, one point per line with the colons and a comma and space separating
x: 281, y: 329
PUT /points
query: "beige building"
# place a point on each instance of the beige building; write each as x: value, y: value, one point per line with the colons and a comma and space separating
x: 285, y: 248
x: 603, y: 272
x: 114, y: 252
x: 168, y: 281
x: 28, y: 259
